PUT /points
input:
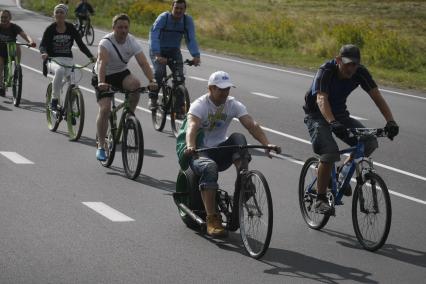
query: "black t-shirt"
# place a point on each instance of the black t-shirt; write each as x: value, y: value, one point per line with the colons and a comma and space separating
x: 10, y: 33
x: 57, y: 44
x: 327, y: 81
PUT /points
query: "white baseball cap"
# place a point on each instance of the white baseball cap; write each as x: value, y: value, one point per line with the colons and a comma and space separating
x: 220, y: 79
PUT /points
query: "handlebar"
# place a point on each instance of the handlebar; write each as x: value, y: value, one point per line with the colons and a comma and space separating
x: 113, y: 90
x: 75, y: 66
x: 276, y: 148
x: 18, y: 43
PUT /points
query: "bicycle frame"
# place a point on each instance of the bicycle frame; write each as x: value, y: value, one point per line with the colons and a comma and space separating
x: 113, y: 116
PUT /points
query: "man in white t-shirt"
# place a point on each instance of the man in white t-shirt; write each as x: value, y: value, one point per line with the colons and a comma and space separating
x: 114, y: 52
x: 213, y: 114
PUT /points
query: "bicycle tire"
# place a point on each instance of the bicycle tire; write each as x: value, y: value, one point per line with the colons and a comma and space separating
x: 52, y: 119
x: 132, y: 167
x: 251, y: 199
x: 75, y: 114
x: 17, y: 85
x: 307, y: 200
x: 110, y: 143
x: 177, y: 123
x: 371, y: 217
x: 89, y: 34
x: 159, y: 114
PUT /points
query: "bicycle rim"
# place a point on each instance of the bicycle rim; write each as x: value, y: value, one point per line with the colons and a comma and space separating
x: 372, y: 222
x: 51, y: 117
x: 132, y: 148
x: 255, y: 214
x: 17, y: 85
x: 89, y: 34
x: 159, y: 114
x: 110, y: 145
x: 308, y: 181
x: 177, y: 123
x: 75, y: 114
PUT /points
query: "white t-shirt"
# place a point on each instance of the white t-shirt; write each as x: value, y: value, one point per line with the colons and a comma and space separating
x: 127, y: 49
x: 215, y: 120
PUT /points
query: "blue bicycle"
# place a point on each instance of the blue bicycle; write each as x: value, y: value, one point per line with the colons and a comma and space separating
x: 371, y: 205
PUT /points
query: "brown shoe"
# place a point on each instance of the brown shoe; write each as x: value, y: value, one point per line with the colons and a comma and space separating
x: 214, y: 226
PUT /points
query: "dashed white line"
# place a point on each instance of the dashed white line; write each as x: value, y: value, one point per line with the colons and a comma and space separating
x: 198, y: 78
x: 264, y: 95
x: 16, y: 158
x: 357, y: 117
x: 108, y: 212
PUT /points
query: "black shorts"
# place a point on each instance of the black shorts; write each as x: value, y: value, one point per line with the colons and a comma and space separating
x: 116, y: 81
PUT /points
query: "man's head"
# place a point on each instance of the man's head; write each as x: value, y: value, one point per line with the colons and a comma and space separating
x: 348, y: 60
x: 219, y: 86
x: 5, y: 17
x: 178, y: 8
x: 60, y: 12
x: 120, y: 26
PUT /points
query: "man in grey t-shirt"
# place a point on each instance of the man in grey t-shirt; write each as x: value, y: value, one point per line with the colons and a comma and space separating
x: 114, y: 52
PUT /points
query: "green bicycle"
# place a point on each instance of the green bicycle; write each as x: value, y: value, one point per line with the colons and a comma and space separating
x: 132, y: 147
x: 13, y: 71
x: 73, y: 109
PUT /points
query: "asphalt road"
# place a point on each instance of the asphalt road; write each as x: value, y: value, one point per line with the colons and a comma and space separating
x: 49, y: 234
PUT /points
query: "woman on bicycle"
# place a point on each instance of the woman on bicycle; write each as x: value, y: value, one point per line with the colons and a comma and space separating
x: 212, y: 114
x: 57, y: 41
x: 8, y: 33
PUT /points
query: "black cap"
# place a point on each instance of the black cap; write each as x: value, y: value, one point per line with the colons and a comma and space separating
x: 350, y: 53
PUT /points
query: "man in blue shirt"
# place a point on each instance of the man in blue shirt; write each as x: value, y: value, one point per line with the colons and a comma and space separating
x: 82, y: 12
x: 164, y: 42
x: 326, y: 112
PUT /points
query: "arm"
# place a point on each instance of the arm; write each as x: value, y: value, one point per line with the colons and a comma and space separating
x: 102, y: 63
x: 324, y: 107
x: 155, y: 34
x: 143, y: 63
x: 256, y: 131
x: 380, y: 102
x: 80, y: 42
x: 43, y: 44
x: 194, y: 124
x: 27, y: 38
x: 191, y: 41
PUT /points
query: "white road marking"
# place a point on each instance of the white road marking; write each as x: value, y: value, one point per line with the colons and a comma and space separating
x: 357, y: 117
x: 16, y: 158
x: 198, y: 78
x: 108, y: 212
x: 264, y: 95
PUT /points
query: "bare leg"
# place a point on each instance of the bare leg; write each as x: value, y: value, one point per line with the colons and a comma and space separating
x: 324, y: 173
x: 102, y: 120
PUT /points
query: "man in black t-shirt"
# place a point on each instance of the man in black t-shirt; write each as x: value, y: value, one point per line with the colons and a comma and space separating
x: 8, y: 33
x: 326, y: 112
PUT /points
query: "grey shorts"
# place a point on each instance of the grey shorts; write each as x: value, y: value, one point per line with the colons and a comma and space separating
x: 323, y: 142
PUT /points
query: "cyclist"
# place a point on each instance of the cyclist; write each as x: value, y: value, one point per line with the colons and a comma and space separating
x: 164, y: 42
x: 326, y: 112
x: 8, y: 33
x: 115, y: 50
x: 212, y: 114
x: 58, y: 38
x: 82, y: 12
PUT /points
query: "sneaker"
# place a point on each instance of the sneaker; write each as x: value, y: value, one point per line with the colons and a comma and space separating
x: 152, y: 104
x: 322, y: 206
x: 214, y: 226
x: 100, y: 154
x: 2, y: 92
x: 54, y: 104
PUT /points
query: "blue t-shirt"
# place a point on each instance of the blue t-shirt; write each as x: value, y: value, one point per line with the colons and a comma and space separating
x: 327, y: 81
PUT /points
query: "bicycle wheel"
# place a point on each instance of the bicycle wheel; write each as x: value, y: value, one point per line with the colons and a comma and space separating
x: 371, y: 212
x: 176, y: 122
x: 255, y: 214
x: 159, y: 114
x: 110, y: 143
x: 132, y: 149
x: 89, y: 34
x: 53, y: 118
x: 17, y: 85
x: 308, y: 182
x: 75, y: 114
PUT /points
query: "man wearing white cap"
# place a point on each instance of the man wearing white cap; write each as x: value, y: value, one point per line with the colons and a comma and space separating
x: 212, y: 114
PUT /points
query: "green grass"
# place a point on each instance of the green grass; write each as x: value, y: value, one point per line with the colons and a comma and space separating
x: 296, y: 33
